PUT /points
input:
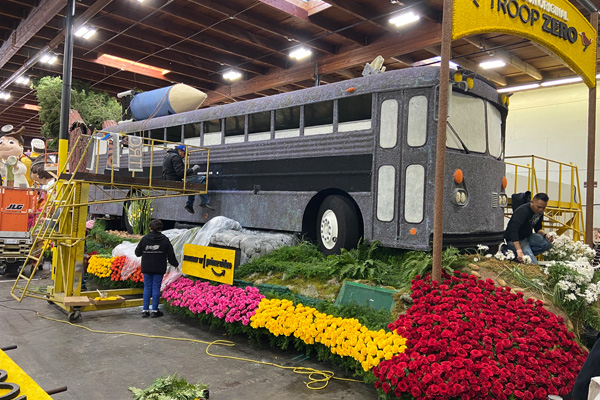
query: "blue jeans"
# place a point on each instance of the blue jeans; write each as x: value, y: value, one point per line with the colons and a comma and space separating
x: 531, y: 246
x: 203, y: 197
x: 152, y: 289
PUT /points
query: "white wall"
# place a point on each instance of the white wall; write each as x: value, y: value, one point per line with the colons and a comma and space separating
x: 552, y: 122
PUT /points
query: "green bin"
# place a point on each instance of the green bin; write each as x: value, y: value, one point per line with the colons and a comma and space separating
x: 374, y: 297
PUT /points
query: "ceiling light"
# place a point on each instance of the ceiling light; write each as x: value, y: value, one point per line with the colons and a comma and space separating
x: 300, y: 53
x: 232, y: 75
x: 519, y: 88
x: 132, y: 66
x: 49, y: 58
x: 22, y: 80
x: 492, y: 64
x: 433, y: 61
x: 4, y: 95
x: 85, y: 32
x: 405, y: 19
x: 31, y: 107
x: 562, y: 81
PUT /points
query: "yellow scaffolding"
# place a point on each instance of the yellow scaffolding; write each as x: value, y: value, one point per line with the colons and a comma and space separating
x: 557, y: 179
x: 63, y: 217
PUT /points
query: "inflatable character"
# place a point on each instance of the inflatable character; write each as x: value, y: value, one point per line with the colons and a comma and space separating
x: 38, y: 148
x: 13, y: 171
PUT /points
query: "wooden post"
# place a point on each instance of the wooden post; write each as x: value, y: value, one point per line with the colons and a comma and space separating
x: 440, y: 154
x: 591, y: 156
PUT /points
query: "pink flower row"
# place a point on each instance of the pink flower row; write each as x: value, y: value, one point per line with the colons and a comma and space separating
x: 226, y: 302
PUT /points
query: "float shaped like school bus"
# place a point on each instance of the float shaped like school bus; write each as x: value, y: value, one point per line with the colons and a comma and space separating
x: 345, y: 160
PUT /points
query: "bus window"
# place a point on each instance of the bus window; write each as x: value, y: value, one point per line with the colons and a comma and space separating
x: 157, y: 134
x: 494, y: 125
x: 388, y: 129
x: 414, y: 193
x: 212, y: 132
x: 174, y: 134
x: 234, y: 129
x: 287, y: 122
x: 259, y: 126
x: 416, y: 133
x: 318, y: 118
x: 354, y: 113
x: 191, y: 134
x: 386, y: 187
x: 466, y: 124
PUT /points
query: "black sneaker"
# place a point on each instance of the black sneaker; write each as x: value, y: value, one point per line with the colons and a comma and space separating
x: 189, y: 209
x: 156, y: 314
x: 145, y: 314
x: 207, y: 206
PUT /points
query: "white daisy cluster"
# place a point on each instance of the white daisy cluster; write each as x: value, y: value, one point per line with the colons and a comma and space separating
x: 577, y: 282
x: 565, y: 249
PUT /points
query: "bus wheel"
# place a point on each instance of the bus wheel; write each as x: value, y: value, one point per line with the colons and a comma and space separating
x: 337, y: 225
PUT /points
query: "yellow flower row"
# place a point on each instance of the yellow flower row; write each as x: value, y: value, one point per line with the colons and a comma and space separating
x: 100, y: 266
x: 344, y: 336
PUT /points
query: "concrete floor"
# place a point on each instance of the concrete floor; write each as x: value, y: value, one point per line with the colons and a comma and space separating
x: 97, y: 366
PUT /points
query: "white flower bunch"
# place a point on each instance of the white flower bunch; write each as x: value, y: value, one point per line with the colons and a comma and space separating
x: 575, y: 280
x: 565, y: 249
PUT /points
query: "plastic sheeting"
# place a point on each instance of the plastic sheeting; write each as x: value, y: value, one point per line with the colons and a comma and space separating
x: 178, y: 237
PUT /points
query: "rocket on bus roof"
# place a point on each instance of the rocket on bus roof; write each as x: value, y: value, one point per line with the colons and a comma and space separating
x: 160, y: 102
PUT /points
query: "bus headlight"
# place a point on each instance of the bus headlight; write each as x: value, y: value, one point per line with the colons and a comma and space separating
x: 460, y: 197
x: 502, y: 200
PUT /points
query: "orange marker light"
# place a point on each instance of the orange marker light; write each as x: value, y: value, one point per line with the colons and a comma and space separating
x: 351, y: 90
x: 413, y: 231
x: 504, y: 182
x: 458, y: 176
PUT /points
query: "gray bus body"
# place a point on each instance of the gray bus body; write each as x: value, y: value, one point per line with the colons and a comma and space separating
x: 345, y: 160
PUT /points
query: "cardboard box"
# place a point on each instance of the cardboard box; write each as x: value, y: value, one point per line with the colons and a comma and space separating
x: 74, y: 301
x: 118, y: 300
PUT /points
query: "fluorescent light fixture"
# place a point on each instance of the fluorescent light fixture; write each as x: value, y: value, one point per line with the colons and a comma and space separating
x: 85, y: 32
x: 131, y: 66
x: 232, y: 75
x: 562, y: 81
x: 492, y: 64
x: 405, y: 19
x: 433, y: 61
x: 22, y: 80
x: 49, y: 58
x: 31, y: 107
x: 4, y: 95
x: 519, y: 88
x: 300, y: 53
x: 140, y: 1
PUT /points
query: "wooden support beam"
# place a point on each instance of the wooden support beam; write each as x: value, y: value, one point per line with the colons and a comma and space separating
x: 35, y: 21
x: 425, y: 35
x: 505, y: 56
x: 471, y: 66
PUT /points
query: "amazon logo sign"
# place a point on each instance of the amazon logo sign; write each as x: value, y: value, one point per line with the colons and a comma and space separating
x: 212, y: 263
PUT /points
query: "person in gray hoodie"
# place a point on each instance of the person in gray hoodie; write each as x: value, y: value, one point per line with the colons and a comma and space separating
x: 155, y: 249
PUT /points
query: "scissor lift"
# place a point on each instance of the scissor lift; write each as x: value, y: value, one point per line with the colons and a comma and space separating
x: 63, y: 217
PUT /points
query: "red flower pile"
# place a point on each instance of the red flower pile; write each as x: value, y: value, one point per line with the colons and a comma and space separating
x: 468, y: 339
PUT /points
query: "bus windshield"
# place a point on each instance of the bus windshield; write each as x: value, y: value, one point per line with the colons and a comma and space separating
x: 467, y: 125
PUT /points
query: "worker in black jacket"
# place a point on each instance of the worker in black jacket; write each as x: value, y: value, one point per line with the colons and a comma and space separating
x: 155, y: 249
x: 520, y: 238
x: 173, y: 169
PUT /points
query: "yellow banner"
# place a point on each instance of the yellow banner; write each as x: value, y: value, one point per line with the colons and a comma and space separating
x: 210, y: 263
x: 554, y: 24
x: 17, y: 379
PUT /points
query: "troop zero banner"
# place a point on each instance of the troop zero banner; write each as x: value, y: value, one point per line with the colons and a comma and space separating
x: 556, y: 25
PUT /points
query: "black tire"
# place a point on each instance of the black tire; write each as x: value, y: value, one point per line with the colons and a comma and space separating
x: 338, y: 225
x: 74, y: 315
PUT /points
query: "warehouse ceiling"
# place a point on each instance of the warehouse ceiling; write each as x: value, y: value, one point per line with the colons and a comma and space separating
x: 196, y: 41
